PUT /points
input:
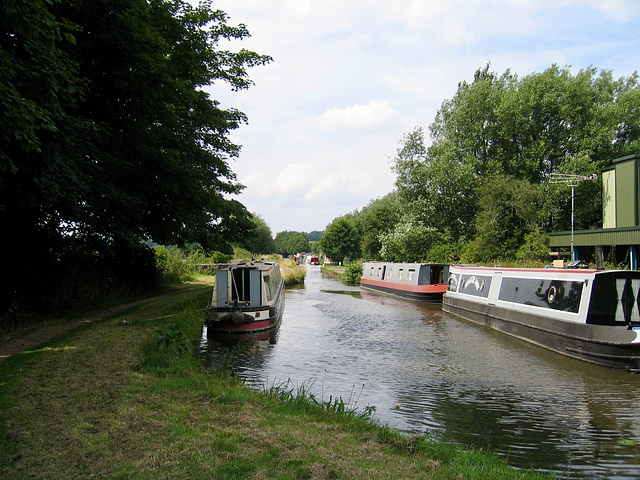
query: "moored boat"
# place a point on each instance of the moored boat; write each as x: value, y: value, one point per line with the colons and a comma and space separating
x: 247, y: 297
x: 417, y: 281
x: 591, y: 315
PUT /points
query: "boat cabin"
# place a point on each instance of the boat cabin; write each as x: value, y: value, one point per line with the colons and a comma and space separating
x: 408, y: 273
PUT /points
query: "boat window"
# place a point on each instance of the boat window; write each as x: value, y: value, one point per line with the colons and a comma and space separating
x: 390, y: 275
x: 437, y: 274
x: 400, y: 272
x: 267, y: 287
x: 547, y: 293
x: 240, y: 285
x: 411, y: 275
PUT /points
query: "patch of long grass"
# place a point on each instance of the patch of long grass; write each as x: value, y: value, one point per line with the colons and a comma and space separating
x: 291, y: 273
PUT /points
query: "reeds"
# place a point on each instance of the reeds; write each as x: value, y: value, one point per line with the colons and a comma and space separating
x: 292, y: 273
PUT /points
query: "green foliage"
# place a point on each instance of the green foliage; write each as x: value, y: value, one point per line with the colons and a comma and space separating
x: 378, y: 217
x: 173, y: 339
x: 534, y: 247
x: 259, y: 239
x: 340, y: 240
x: 409, y: 241
x: 314, y: 236
x: 177, y: 264
x: 523, y: 129
x: 171, y: 264
x: 508, y: 209
x: 352, y: 274
x: 445, y: 252
x: 107, y: 137
x: 291, y: 243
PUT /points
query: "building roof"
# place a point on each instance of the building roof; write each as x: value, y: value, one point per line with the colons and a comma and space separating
x: 591, y: 238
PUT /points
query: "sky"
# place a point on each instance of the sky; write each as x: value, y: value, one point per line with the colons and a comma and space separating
x: 350, y: 78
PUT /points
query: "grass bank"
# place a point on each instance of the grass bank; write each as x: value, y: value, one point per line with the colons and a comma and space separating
x: 127, y: 397
x: 292, y: 273
x: 333, y: 271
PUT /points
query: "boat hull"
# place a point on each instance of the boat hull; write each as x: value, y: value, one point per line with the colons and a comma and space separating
x: 424, y: 282
x: 244, y: 320
x: 423, y: 293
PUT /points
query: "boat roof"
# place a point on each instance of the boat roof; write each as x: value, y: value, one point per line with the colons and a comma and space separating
x: 543, y: 270
x: 378, y: 262
x: 254, y: 264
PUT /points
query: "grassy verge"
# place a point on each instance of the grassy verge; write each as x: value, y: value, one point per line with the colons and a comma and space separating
x: 291, y: 273
x: 128, y: 398
x: 333, y: 271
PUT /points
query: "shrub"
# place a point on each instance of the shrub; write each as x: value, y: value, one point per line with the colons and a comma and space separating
x: 352, y: 274
x: 171, y: 264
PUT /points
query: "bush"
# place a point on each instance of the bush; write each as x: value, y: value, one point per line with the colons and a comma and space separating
x: 352, y: 274
x: 171, y: 264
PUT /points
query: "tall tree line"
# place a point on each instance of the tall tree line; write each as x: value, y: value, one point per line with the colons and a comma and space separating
x: 107, y: 139
x: 480, y: 188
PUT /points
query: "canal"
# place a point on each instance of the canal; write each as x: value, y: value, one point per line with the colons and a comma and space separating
x: 427, y: 372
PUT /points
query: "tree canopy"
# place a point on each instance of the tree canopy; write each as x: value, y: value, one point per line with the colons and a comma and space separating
x: 526, y: 129
x: 291, y: 243
x: 107, y: 137
x: 480, y: 188
x: 340, y: 240
x: 259, y: 239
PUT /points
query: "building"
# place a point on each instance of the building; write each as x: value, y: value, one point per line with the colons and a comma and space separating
x: 619, y: 238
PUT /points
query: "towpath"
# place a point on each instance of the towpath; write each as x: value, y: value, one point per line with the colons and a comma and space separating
x: 19, y: 341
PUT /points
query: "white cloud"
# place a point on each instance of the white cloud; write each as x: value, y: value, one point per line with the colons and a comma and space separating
x: 372, y: 115
x: 350, y: 78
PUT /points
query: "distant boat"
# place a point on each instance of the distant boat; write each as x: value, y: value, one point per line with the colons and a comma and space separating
x: 591, y: 315
x: 418, y: 281
x: 247, y: 297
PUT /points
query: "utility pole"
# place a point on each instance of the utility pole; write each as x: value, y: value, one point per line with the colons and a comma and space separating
x: 572, y: 180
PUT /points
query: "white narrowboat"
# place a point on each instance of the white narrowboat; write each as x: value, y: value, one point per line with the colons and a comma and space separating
x: 417, y: 281
x: 247, y: 297
x: 591, y: 315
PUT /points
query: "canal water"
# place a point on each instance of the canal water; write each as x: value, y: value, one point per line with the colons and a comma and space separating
x: 428, y: 372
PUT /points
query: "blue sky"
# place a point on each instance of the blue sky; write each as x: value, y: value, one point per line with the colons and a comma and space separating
x: 351, y: 77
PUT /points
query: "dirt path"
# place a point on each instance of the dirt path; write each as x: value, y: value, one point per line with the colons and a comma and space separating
x: 55, y: 328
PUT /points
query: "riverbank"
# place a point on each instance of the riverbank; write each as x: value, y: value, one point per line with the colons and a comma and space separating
x: 333, y: 271
x: 126, y: 397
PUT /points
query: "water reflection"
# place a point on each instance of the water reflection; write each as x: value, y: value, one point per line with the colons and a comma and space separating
x: 237, y: 352
x: 428, y: 372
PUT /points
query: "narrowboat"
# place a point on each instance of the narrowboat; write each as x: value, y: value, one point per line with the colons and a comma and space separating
x: 247, y: 297
x: 417, y: 281
x: 591, y: 315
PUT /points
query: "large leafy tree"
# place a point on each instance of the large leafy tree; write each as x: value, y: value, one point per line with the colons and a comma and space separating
x: 291, y: 243
x: 259, y: 239
x: 378, y: 217
x: 108, y: 137
x: 508, y: 210
x: 525, y: 128
x: 341, y: 239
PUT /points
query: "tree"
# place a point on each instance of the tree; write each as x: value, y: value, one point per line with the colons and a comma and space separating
x: 508, y: 210
x: 408, y: 241
x: 524, y: 128
x: 291, y: 243
x: 259, y: 239
x: 378, y: 217
x: 436, y: 186
x: 108, y: 139
x: 340, y: 240
x: 314, y: 236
